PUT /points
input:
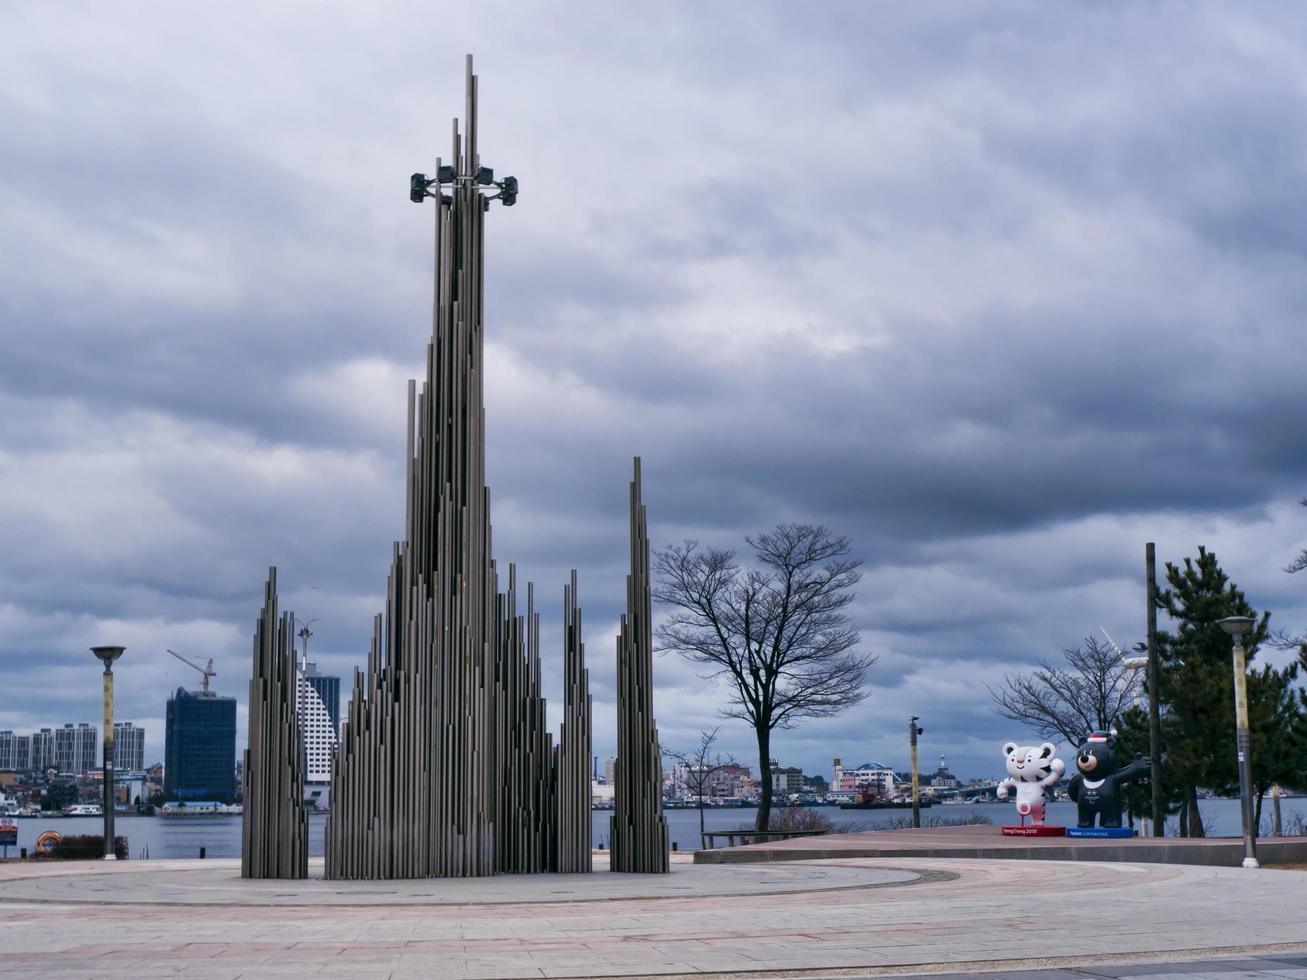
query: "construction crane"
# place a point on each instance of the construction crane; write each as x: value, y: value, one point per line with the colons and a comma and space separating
x: 1134, y: 663
x: 207, y: 670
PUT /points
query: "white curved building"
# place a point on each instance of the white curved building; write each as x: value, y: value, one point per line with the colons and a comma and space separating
x: 320, y: 741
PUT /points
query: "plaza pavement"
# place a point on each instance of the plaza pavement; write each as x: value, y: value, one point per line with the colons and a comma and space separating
x: 843, y: 918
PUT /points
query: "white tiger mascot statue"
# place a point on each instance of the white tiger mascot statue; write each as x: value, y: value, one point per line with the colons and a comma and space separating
x: 1030, y: 771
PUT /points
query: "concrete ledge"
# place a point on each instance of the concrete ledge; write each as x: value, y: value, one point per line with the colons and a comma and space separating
x: 988, y: 843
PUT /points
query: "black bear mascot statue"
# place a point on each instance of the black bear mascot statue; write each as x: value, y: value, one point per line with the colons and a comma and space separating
x: 1096, y: 786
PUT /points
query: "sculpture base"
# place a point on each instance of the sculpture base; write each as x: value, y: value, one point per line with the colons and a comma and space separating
x: 1100, y: 832
x: 1031, y: 830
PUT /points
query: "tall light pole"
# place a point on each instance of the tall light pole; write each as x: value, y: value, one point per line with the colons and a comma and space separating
x: 1154, y: 709
x: 913, y: 732
x: 1237, y: 626
x: 304, y: 634
x: 108, y: 655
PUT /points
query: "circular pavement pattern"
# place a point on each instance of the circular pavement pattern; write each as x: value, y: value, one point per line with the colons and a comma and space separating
x: 220, y: 883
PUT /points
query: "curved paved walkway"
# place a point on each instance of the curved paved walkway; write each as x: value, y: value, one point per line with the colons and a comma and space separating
x: 995, y: 915
x: 988, y: 842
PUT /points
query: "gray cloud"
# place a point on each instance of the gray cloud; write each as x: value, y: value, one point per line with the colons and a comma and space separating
x: 1000, y: 293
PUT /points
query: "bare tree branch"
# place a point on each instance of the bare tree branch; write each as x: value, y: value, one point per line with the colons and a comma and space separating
x: 1299, y: 563
x: 1282, y: 639
x: 1090, y: 693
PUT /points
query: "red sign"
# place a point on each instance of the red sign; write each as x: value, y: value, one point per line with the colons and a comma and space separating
x: 1045, y: 830
x: 8, y: 832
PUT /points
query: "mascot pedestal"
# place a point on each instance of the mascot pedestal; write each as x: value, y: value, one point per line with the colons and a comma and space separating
x: 1099, y: 833
x: 1030, y: 771
x: 1096, y: 787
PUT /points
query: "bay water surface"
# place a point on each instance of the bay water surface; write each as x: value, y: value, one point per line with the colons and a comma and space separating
x: 182, y: 837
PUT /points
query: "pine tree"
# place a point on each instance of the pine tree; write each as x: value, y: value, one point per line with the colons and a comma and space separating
x: 1196, y: 688
x: 1275, y: 722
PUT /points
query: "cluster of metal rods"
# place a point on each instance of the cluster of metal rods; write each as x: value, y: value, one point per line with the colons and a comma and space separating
x: 275, y: 824
x: 639, y: 831
x: 445, y: 766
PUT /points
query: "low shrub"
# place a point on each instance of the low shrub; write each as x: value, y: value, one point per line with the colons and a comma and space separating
x: 799, y: 818
x: 85, y: 847
x: 904, y: 821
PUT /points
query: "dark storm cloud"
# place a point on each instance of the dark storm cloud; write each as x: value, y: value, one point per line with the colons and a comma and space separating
x: 999, y: 293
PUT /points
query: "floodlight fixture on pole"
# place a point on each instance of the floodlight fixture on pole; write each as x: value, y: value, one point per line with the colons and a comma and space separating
x: 304, y: 634
x: 420, y: 186
x: 107, y: 655
x: 1237, y: 626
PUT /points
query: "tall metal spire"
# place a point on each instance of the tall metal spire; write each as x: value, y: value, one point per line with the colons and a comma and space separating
x: 446, y: 766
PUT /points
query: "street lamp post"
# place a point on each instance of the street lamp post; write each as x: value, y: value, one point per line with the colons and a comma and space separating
x: 1237, y: 626
x: 1154, y: 709
x: 108, y: 655
x: 913, y: 732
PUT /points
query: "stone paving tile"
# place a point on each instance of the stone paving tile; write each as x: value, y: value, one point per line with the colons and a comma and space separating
x: 1141, y: 908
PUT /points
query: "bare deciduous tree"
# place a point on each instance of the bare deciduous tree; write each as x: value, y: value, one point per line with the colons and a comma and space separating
x: 1299, y: 563
x: 1089, y: 693
x: 700, y: 765
x: 777, y: 632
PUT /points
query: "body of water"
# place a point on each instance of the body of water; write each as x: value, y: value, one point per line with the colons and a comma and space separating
x: 182, y: 837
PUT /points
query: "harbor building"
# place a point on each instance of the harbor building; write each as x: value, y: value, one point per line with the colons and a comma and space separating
x: 941, y: 778
x: 128, y: 747
x: 200, y: 747
x: 786, y: 780
x: 870, y: 777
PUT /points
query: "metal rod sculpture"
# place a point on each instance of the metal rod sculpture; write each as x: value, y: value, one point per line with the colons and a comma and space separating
x: 275, y: 824
x: 574, y: 749
x: 639, y: 832
x: 445, y: 766
x: 525, y: 756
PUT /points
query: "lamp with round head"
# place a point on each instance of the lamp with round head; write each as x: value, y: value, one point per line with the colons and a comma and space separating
x: 108, y: 654
x: 1236, y: 625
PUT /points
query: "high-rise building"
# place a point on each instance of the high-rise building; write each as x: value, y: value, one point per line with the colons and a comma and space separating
x: 43, y: 749
x: 328, y: 691
x: 9, y: 751
x: 200, y: 747
x: 75, y: 748
x: 128, y: 747
x: 23, y: 752
x: 318, y: 728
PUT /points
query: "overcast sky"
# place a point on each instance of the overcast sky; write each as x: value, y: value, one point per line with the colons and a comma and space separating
x: 999, y: 291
